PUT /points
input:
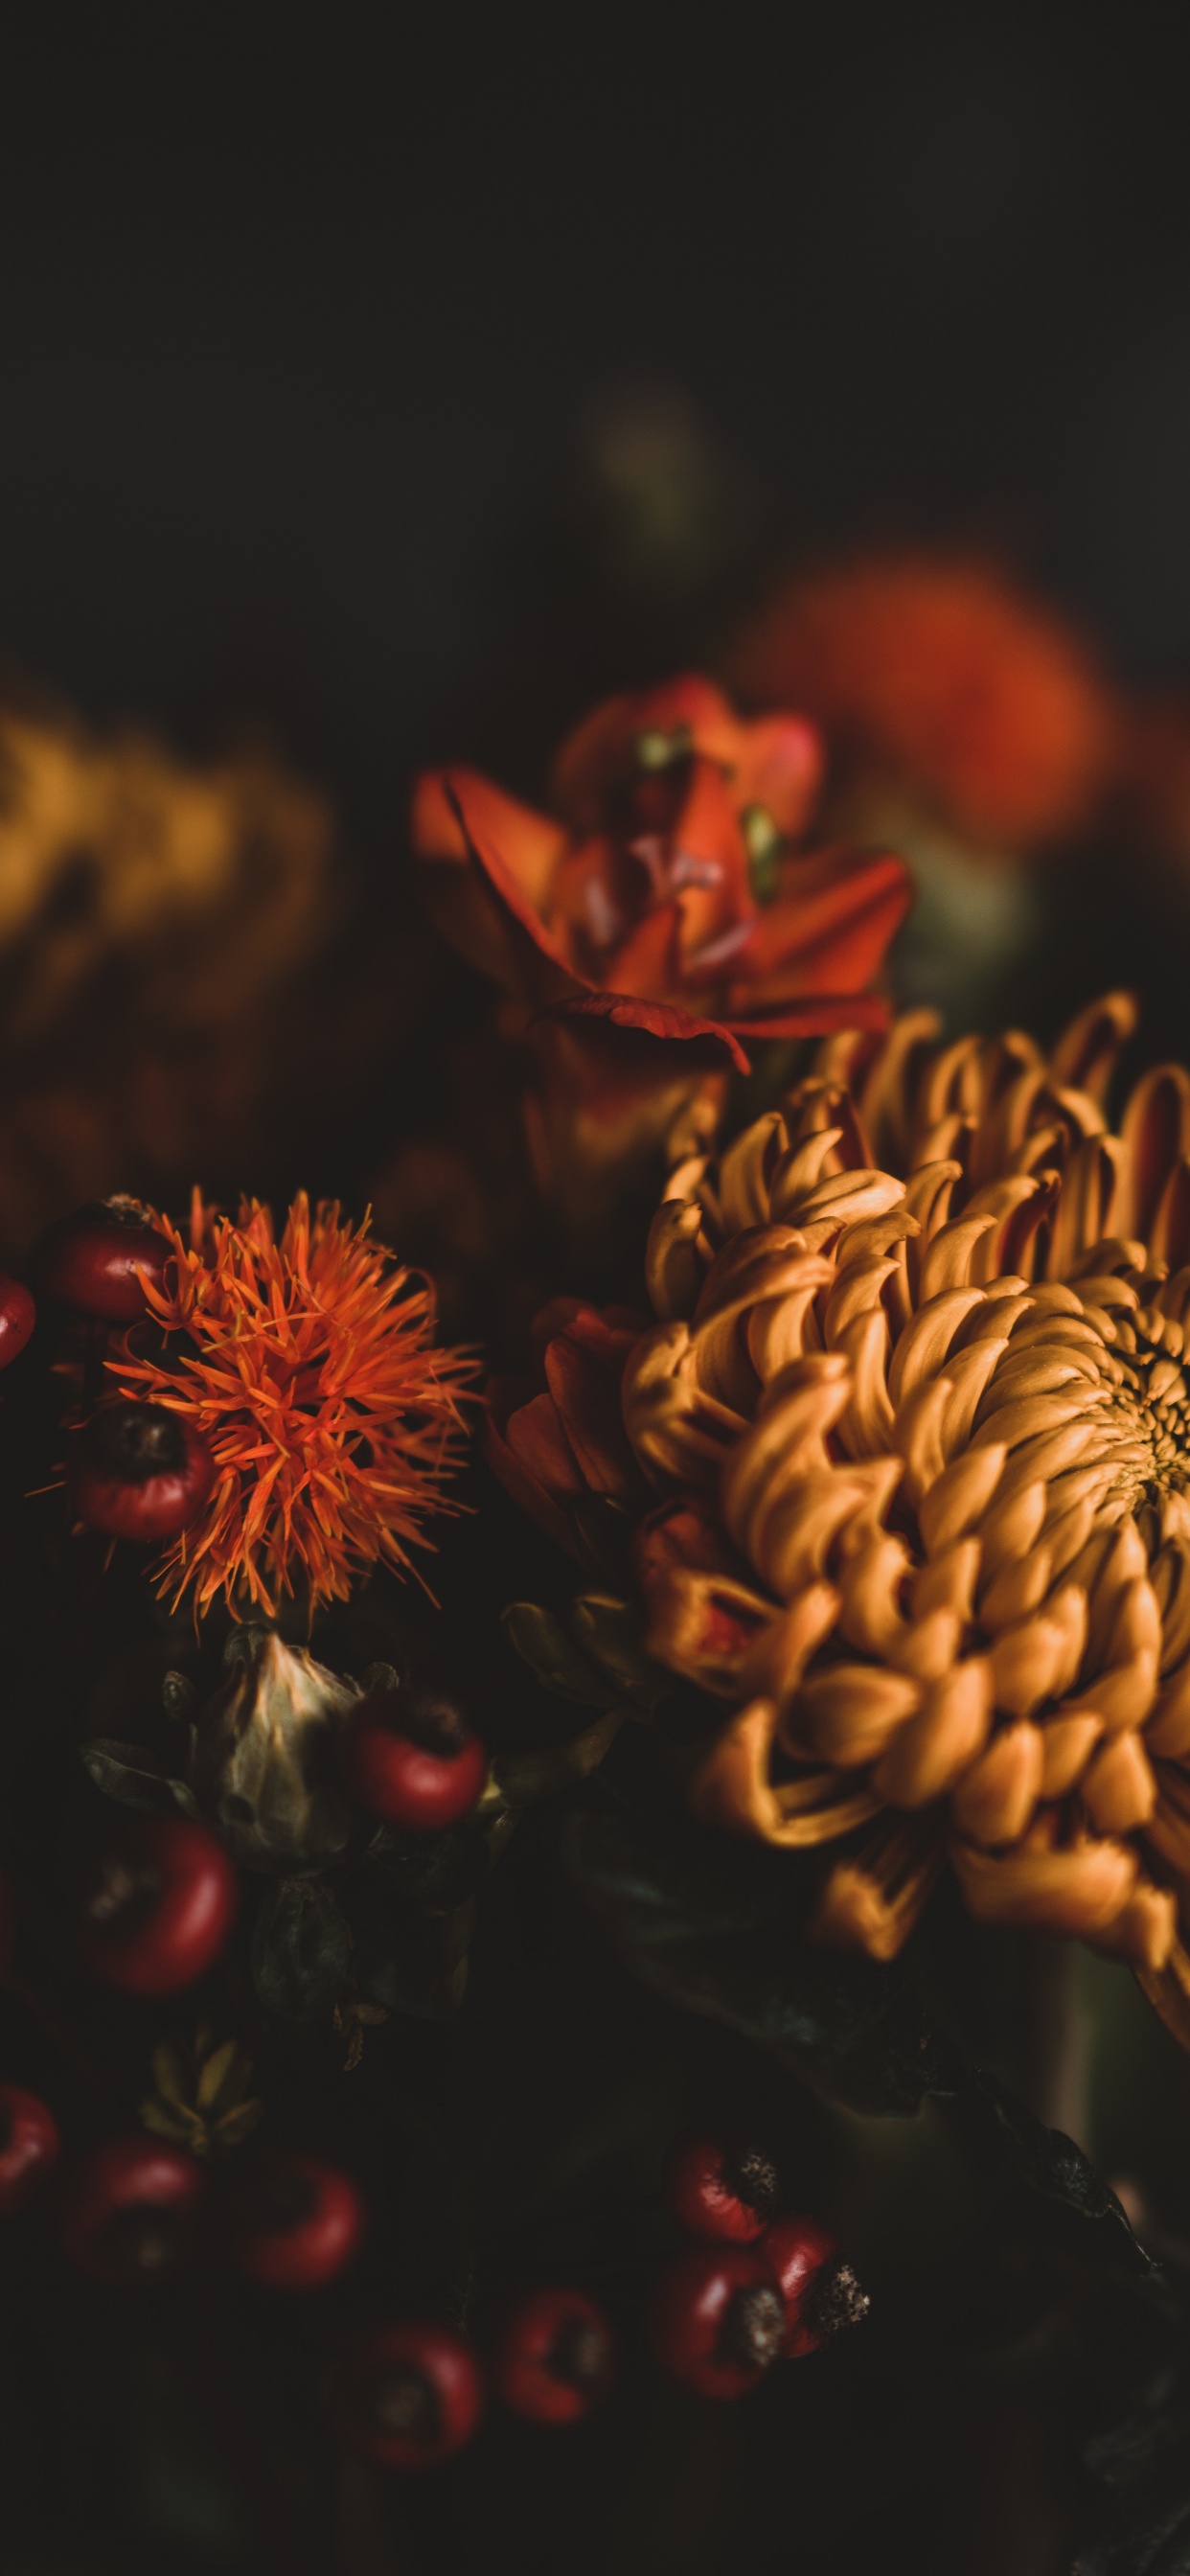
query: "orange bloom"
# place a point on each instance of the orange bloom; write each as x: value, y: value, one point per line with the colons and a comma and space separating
x: 950, y: 676
x: 668, y: 876
x: 309, y: 1369
x: 663, y: 914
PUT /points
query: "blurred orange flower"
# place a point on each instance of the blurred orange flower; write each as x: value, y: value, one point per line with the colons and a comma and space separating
x: 948, y: 674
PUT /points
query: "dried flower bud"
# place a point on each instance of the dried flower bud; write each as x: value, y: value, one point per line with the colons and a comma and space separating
x: 264, y: 1761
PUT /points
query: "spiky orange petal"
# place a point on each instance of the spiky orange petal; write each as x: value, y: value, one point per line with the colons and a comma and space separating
x: 309, y: 1368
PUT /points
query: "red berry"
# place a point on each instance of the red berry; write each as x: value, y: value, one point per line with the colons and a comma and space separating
x: 302, y: 2224
x: 820, y: 2291
x: 556, y: 2357
x: 138, y: 1471
x: 28, y: 2146
x: 722, y: 2188
x: 718, y: 2319
x: 18, y: 1315
x: 132, y: 2210
x: 97, y: 1260
x: 409, y: 1757
x: 408, y: 2395
x: 157, y: 1905
x: 8, y: 1923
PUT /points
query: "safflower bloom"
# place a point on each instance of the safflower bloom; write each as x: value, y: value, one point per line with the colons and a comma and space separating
x: 309, y: 1368
x: 948, y: 675
x: 916, y: 1417
x: 662, y: 916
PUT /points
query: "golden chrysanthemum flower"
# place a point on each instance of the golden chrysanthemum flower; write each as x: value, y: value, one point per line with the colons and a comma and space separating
x: 308, y: 1365
x: 920, y: 1400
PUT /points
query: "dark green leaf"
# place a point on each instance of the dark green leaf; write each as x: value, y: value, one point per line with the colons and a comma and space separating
x: 417, y: 1963
x: 1049, y: 2162
x: 608, y: 1630
x: 542, y: 1643
x: 134, y: 1777
x: 709, y: 1926
x: 522, y: 1778
x: 431, y: 1871
x: 712, y: 1926
x: 301, y: 1946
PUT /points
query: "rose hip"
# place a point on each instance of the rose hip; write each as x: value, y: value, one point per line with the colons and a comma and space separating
x: 409, y: 1757
x: 138, y: 1471
x: 156, y: 1906
x: 29, y: 2146
x: 98, y: 1260
x: 301, y: 2224
x: 408, y: 2395
x: 556, y: 2357
x: 131, y: 2212
x: 718, y: 2319
x: 722, y: 2188
x: 820, y: 2292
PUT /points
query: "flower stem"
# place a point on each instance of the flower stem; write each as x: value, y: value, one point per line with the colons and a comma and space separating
x: 1058, y: 2040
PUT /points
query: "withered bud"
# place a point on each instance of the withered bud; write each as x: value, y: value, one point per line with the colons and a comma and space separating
x: 265, y: 1760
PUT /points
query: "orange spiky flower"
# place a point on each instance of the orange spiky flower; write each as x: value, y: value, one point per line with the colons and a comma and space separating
x: 308, y: 1367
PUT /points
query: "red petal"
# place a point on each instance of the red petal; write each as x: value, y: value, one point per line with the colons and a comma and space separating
x: 827, y: 934
x: 531, y: 964
x: 600, y: 754
x: 779, y: 765
x: 817, y: 1017
x: 516, y: 1474
x: 584, y: 1367
x: 602, y: 1012
x: 646, y: 963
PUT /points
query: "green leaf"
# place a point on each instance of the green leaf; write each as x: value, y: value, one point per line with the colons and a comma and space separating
x: 431, y: 1871
x: 1049, y: 2162
x: 542, y: 1643
x: 710, y: 1926
x: 522, y: 1778
x: 184, y: 2127
x: 301, y: 1945
x: 420, y: 1966
x: 169, y: 2074
x: 713, y: 1927
x: 214, y: 2073
x: 179, y: 1698
x: 609, y: 1632
x: 238, y: 2124
x: 127, y: 1773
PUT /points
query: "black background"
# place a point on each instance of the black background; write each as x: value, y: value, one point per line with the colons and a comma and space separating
x: 305, y: 316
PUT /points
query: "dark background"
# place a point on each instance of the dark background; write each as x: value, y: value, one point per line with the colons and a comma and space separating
x: 310, y: 323
x: 338, y: 349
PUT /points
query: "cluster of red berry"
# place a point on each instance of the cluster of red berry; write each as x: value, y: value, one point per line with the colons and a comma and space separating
x: 763, y: 2285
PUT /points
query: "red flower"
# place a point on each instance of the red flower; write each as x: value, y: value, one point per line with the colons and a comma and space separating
x: 947, y: 674
x: 664, y: 913
x: 562, y: 1442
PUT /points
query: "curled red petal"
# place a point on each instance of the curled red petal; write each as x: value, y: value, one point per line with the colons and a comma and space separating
x: 518, y: 1477
x: 518, y: 948
x: 818, y: 1015
x: 584, y: 1366
x: 650, y: 1019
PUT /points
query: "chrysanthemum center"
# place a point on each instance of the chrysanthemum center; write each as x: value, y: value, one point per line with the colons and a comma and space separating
x: 1148, y: 1412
